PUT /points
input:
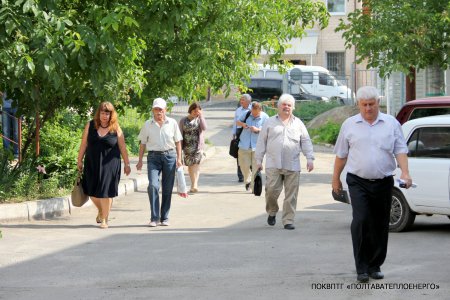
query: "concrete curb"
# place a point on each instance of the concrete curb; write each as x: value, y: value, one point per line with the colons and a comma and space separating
x: 57, y: 207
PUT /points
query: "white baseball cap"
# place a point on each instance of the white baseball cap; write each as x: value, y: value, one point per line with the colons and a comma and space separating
x: 160, y: 103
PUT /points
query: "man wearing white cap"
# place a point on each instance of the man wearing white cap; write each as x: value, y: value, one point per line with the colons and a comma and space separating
x: 161, y: 137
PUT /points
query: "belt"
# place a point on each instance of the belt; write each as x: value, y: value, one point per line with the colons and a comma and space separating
x: 162, y: 152
x: 371, y: 180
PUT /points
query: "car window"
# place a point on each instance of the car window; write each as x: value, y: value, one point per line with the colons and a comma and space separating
x: 429, y: 111
x: 325, y: 79
x: 430, y: 142
x: 307, y: 77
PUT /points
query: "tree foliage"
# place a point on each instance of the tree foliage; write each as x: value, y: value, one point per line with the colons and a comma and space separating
x: 73, y: 53
x: 397, y: 35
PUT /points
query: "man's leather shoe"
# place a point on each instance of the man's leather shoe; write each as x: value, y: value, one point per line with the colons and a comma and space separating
x: 271, y: 220
x: 376, y: 275
x: 289, y: 226
x: 363, y: 278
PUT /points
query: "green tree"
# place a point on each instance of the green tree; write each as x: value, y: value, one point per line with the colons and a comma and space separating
x: 399, y: 35
x: 57, y: 54
x: 196, y: 44
x: 74, y: 53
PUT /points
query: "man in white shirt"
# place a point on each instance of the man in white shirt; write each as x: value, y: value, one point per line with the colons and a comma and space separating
x: 367, y: 144
x: 281, y: 140
x: 161, y: 137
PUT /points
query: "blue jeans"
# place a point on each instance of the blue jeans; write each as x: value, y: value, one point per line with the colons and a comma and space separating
x: 10, y: 129
x: 157, y: 163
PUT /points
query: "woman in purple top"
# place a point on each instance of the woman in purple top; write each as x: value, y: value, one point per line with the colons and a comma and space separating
x: 193, y: 128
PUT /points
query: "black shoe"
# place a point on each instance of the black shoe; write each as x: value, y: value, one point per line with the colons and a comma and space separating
x: 247, y: 186
x: 241, y: 180
x: 376, y: 275
x: 363, y: 278
x: 289, y: 226
x: 271, y: 220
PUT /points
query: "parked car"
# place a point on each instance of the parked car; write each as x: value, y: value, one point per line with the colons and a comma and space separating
x: 428, y: 141
x: 424, y: 108
x: 315, y: 80
x: 300, y: 93
x: 262, y: 89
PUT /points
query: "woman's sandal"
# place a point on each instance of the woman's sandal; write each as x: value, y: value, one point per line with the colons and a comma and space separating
x: 104, y: 224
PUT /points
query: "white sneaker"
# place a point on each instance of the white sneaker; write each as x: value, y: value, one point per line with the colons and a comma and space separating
x: 165, y: 223
x: 153, y: 224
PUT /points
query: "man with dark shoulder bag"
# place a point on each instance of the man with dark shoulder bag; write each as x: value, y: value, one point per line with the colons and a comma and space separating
x: 245, y: 106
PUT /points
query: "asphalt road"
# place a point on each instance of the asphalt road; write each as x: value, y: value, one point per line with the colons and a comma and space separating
x: 218, y: 246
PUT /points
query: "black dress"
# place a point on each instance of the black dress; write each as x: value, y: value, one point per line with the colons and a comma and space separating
x: 101, y: 173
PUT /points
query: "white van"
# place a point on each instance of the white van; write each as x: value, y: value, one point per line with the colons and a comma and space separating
x: 314, y: 79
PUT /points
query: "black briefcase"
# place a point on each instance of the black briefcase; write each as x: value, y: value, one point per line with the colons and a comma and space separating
x: 342, y: 196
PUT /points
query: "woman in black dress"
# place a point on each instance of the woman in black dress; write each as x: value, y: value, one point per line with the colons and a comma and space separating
x: 101, y: 146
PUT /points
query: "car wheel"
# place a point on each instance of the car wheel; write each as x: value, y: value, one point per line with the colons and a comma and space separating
x: 401, y: 217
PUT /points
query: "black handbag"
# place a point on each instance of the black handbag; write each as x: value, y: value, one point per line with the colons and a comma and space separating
x: 234, y: 144
x: 257, y: 184
x: 234, y: 148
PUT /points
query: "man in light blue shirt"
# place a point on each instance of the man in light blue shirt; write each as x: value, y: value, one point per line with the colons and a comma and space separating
x: 245, y: 106
x: 367, y: 144
x: 247, y: 143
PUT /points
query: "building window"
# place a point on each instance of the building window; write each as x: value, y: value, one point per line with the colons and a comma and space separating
x: 435, y: 81
x: 336, y: 7
x: 336, y: 64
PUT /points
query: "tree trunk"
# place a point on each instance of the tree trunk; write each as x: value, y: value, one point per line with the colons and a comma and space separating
x: 410, y: 85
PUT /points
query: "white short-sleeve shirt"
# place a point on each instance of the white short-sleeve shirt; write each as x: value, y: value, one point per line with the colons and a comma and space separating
x: 156, y: 138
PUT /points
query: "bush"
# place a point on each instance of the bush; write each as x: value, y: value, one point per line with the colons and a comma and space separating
x: 309, y: 110
x: 60, y: 140
x: 327, y: 133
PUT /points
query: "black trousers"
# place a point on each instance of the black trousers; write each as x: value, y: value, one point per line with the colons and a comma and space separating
x: 239, y: 172
x: 371, y: 204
